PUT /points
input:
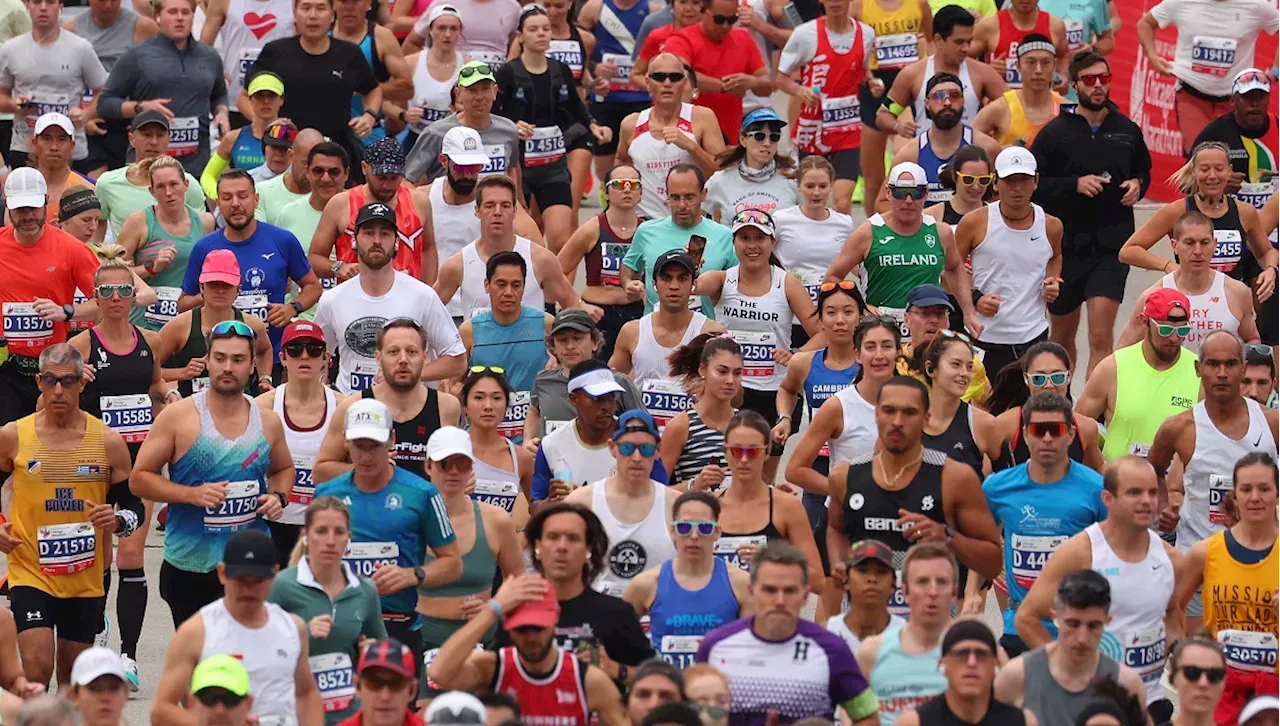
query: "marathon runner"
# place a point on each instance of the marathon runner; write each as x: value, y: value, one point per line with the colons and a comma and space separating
x: 388, y: 687
x: 292, y: 183
x: 381, y: 50
x: 246, y: 147
x: 1259, y: 375
x: 504, y: 471
x: 931, y: 311
x: 871, y: 581
x: 56, y: 547
x: 1015, y: 118
x: 997, y: 39
x: 219, y: 688
x: 753, y: 174
x: 658, y: 688
x: 1196, y: 655
x: 968, y: 177
x: 99, y: 689
x: 692, y: 445
x: 965, y: 432
x: 327, y: 168
x: 615, y: 24
x: 969, y: 661
x: 810, y: 234
x: 434, y: 69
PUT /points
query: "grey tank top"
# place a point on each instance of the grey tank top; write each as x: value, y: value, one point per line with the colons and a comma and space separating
x: 112, y: 41
x: 1052, y: 704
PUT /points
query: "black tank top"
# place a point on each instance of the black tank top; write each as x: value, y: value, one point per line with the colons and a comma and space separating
x: 949, y: 213
x: 769, y: 531
x: 936, y: 712
x: 1247, y: 268
x: 871, y: 512
x: 410, y: 451
x: 957, y: 440
x: 1015, y: 451
x: 127, y: 374
x: 195, y: 347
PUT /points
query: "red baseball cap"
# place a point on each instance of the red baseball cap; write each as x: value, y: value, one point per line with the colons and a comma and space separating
x: 220, y: 266
x: 1161, y: 302
x: 544, y: 613
x: 301, y: 330
x: 388, y: 653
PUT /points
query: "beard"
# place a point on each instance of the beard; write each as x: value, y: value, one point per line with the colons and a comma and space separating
x: 462, y: 185
x: 1090, y: 105
x: 368, y: 259
x: 946, y: 119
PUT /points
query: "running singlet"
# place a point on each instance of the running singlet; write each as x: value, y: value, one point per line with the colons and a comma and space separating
x: 635, y: 547
x: 663, y: 396
x: 932, y: 164
x: 972, y: 104
x: 495, y: 486
x: 1210, y: 311
x: 1007, y: 45
x: 195, y: 347
x: 559, y: 699
x: 59, y: 551
x: 1146, y: 397
x: 119, y: 393
x: 604, y: 259
x: 304, y: 446
x: 834, y: 124
x: 271, y: 670
x: 168, y: 282
x: 760, y: 324
x: 247, y: 152
x: 897, y: 42
x: 1229, y: 238
x: 616, y: 43
x: 410, y: 449
x: 1021, y: 131
x: 408, y: 231
x: 195, y: 536
x: 898, y: 262
x: 1240, y: 603
x: 823, y: 383
x: 654, y: 157
x: 902, y: 681
x: 958, y: 440
x: 519, y: 348
x: 679, y: 618
x: 1206, y: 478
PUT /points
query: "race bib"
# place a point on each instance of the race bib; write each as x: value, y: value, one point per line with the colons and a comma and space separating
x: 430, y: 114
x: 550, y: 427
x: 236, y: 511
x: 184, y: 136
x: 1212, y: 56
x: 842, y: 113
x: 611, y: 254
x: 364, y: 558
x: 497, y: 160
x: 727, y: 549
x: 1029, y: 555
x: 1226, y: 255
x: 335, y: 679
x: 1137, y: 449
x: 512, y: 426
x: 757, y: 353
x: 665, y: 399
x: 304, y: 488
x: 495, y: 59
x: 362, y: 375
x: 66, y: 549
x: 1219, y: 485
x: 1257, y: 193
x: 900, y: 315
x: 898, y: 600
x: 546, y: 146
x: 23, y: 325
x: 568, y: 52
x: 1144, y: 652
x: 199, y: 384
x: 55, y: 104
x: 896, y: 51
x: 165, y: 308
x: 1012, y: 76
x: 130, y: 415
x: 678, y: 650
x: 623, y: 64
x: 812, y: 281
x: 253, y: 302
x: 498, y: 493
x: 1249, y: 651
x: 1075, y: 33
x: 78, y: 299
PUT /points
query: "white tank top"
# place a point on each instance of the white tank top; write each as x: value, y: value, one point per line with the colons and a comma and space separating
x: 304, y: 446
x: 497, y: 486
x: 250, y: 25
x: 475, y: 299
x: 269, y: 653
x: 434, y: 97
x: 1140, y: 593
x: 1207, y: 477
x: 1209, y: 311
x: 760, y: 325
x: 654, y: 158
x: 1010, y: 262
x: 633, y: 548
x: 455, y: 226
x: 859, y: 433
x: 806, y: 247
x: 649, y: 360
x: 972, y: 104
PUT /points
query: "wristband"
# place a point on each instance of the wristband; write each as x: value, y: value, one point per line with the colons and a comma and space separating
x: 977, y: 295
x: 497, y: 609
x: 284, y: 500
x: 781, y: 416
x: 896, y: 108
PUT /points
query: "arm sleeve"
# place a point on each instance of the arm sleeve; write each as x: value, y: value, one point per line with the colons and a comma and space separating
x: 209, y: 177
x: 120, y: 84
x: 191, y: 278
x: 128, y: 507
x: 541, y: 486
x: 437, y: 530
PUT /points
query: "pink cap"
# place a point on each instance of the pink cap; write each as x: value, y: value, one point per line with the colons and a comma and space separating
x: 220, y: 266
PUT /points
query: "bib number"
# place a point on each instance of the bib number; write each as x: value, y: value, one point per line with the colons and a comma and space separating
x: 1137, y: 449
x: 568, y: 52
x: 60, y: 104
x: 1257, y: 193
x: 896, y: 51
x: 66, y: 549
x: 335, y: 679
x: 623, y: 64
x: 130, y: 416
x: 546, y: 146
x: 512, y: 426
x: 1075, y: 33
x: 498, y: 493
x: 842, y: 113
x: 252, y: 303
x: 1219, y: 485
x: 78, y: 299
x: 1212, y: 56
x: 1029, y: 556
x: 236, y: 511
x: 1249, y: 651
x: 898, y: 600
x: 1012, y: 76
x: 1144, y: 652
x: 248, y: 56
x: 550, y: 427
x: 304, y: 488
x: 757, y: 354
x: 165, y: 308
x: 679, y: 650
x: 364, y: 558
x: 812, y: 281
x: 900, y: 315
x: 362, y: 375
x: 184, y: 136
x: 497, y: 160
x: 1226, y: 254
x: 727, y: 549
x: 22, y: 324
x: 665, y: 399
x: 611, y: 254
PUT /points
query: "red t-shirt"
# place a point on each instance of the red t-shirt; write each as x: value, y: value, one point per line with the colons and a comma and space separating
x: 655, y: 40
x: 52, y: 268
x: 737, y: 53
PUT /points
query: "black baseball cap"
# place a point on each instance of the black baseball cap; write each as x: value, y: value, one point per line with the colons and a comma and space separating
x: 927, y: 296
x: 573, y: 319
x: 150, y: 116
x: 376, y: 212
x: 870, y: 549
x: 674, y: 257
x: 250, y: 553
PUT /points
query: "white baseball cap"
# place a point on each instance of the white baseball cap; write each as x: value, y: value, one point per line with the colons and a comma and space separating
x: 439, y: 10
x: 1258, y: 705
x: 1015, y: 160
x: 449, y: 441
x: 596, y: 382
x: 455, y: 708
x: 369, y: 419
x: 463, y: 146
x: 94, y: 663
x: 918, y: 176
x: 1251, y: 79
x: 25, y: 188
x: 54, y: 119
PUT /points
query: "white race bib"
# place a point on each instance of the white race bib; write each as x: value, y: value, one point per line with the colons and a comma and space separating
x: 184, y: 136
x: 1029, y: 555
x: 304, y: 488
x: 1219, y: 485
x: 1075, y: 33
x: 665, y: 399
x: 498, y: 493
x: 727, y: 549
x: 362, y: 375
x: 1144, y: 652
x: 364, y: 558
x: 1212, y: 56
x: 679, y: 650
x: 165, y: 308
x: 896, y: 51
x: 623, y: 64
x: 66, y: 549
x: 1226, y: 255
x: 512, y: 426
x: 130, y: 415
x: 842, y: 113
x: 497, y: 160
x: 611, y: 254
x: 546, y: 146
x: 236, y: 511
x: 757, y: 353
x: 22, y: 324
x: 1249, y: 651
x: 253, y: 302
x: 335, y: 679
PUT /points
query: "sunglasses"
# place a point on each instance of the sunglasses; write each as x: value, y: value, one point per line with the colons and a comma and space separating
x: 753, y: 215
x: 478, y: 69
x: 624, y: 185
x: 280, y: 132
x: 977, y: 654
x: 1053, y: 428
x: 1257, y: 350
x: 50, y: 380
x: 488, y: 369
x: 107, y: 291
x: 382, y: 682
x: 323, y: 171
x: 466, y: 169
x: 228, y: 328
x: 685, y: 528
x: 948, y: 333
x: 846, y: 285
x: 627, y: 448
x: 664, y: 76
x: 461, y: 463
x: 532, y: 8
x: 399, y: 322
x: 1094, y: 79
x: 528, y: 629
x: 772, y: 137
x: 1040, y: 380
x: 210, y: 697
x: 912, y: 192
x: 724, y: 19
x: 1193, y: 673
x: 712, y: 712
x: 944, y: 96
x: 313, y: 348
x: 982, y: 180
x: 1180, y: 330
x: 750, y: 453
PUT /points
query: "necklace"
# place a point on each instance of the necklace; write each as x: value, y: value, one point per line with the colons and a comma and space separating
x: 893, y: 481
x: 1016, y: 219
x: 1212, y: 202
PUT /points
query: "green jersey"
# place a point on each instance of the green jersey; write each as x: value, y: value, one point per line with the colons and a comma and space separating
x: 273, y: 195
x: 898, y: 262
x: 300, y: 218
x: 1145, y: 397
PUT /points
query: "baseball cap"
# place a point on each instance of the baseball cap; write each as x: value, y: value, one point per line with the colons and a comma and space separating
x: 637, y: 419
x: 265, y: 81
x: 220, y: 266
x: 368, y: 419
x: 473, y: 72
x: 940, y: 78
x: 386, y: 156
x: 150, y: 116
x: 25, y: 188
x: 762, y: 115
x: 674, y: 257
x: 376, y: 212
x: 94, y: 663
x: 544, y: 613
x: 449, y: 441
x: 1162, y: 302
x: 754, y: 218
x: 388, y: 653
x: 221, y: 671
x: 463, y: 146
x: 1015, y: 160
x: 573, y: 319
x: 927, y: 296
x: 1251, y: 79
x: 1258, y: 705
x: 456, y: 708
x: 439, y: 10
x: 280, y: 134
x: 918, y: 176
x: 301, y: 330
x: 596, y: 382
x: 870, y: 549
x: 54, y: 119
x: 250, y: 553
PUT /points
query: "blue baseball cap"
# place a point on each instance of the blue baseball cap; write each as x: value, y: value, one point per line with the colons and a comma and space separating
x: 762, y: 115
x: 637, y: 419
x: 927, y: 296
x: 385, y: 156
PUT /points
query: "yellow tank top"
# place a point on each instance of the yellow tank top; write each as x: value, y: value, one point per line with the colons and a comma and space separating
x: 1021, y: 131
x: 1146, y: 397
x: 897, y: 33
x: 1240, y: 606
x: 61, y: 553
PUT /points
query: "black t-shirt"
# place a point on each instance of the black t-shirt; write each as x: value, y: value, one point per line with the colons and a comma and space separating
x: 1226, y: 130
x: 599, y: 618
x: 318, y: 88
x: 549, y: 107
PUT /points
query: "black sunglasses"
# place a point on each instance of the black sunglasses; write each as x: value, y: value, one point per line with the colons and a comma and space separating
x: 761, y: 136
x: 327, y: 171
x: 724, y: 19
x: 211, y: 697
x: 313, y: 348
x: 483, y: 69
x: 1193, y: 673
x: 664, y: 76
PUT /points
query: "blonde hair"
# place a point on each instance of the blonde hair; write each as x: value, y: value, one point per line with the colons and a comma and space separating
x: 319, y: 504
x: 1185, y: 177
x: 110, y: 257
x: 702, y: 669
x: 164, y: 161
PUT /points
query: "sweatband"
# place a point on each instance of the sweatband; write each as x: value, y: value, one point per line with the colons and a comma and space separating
x: 76, y: 203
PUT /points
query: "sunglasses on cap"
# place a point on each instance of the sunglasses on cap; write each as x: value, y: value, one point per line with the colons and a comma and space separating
x: 944, y: 95
x: 911, y: 192
x: 772, y: 137
x: 982, y: 180
x: 724, y: 19
x: 623, y: 185
x: 281, y: 132
x: 1257, y: 351
x: 532, y: 8
x: 1040, y: 380
x: 232, y: 328
x: 1180, y: 330
x: 750, y: 453
x: 685, y: 528
x: 753, y: 215
x: 313, y: 348
x: 483, y: 69
x: 488, y: 369
x: 105, y: 292
x: 50, y: 380
x: 210, y: 697
x: 627, y: 448
x: 1094, y: 79
x: 1195, y: 673
x: 397, y: 322
x: 1055, y: 429
x: 664, y: 76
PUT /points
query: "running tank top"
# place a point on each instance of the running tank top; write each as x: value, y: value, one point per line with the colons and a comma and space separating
x: 519, y: 348
x: 858, y: 434
x: 455, y: 227
x: 111, y: 42
x: 805, y: 246
x: 654, y: 157
x: 59, y: 551
x: 761, y: 324
x: 1209, y: 311
x: 408, y: 231
x: 168, y: 282
x: 1007, y: 45
x: 1229, y: 238
x: 896, y: 44
x: 703, y: 446
x: 247, y: 152
x: 478, y: 565
x: 368, y: 49
x: 432, y: 96
x: 972, y: 104
x: 1021, y: 131
x: 823, y: 382
x: 120, y: 391
x: 1206, y: 479
x: 560, y: 698
x: 902, y: 681
x: 679, y: 618
x: 1146, y: 397
x: 727, y: 546
x: 195, y: 347
x: 495, y: 486
x: 1015, y: 450
x: 472, y: 292
x: 937, y: 712
x: 898, y: 262
x: 616, y: 35
x: 569, y: 51
x: 836, y: 123
x: 304, y: 445
x: 1140, y: 592
x: 271, y: 669
x: 410, y: 450
x: 950, y: 215
x: 250, y: 25
x: 633, y: 548
x: 1052, y: 704
x: 1011, y: 262
x: 604, y: 259
x: 932, y: 164
x: 660, y: 394
x: 1242, y: 617
x: 957, y: 441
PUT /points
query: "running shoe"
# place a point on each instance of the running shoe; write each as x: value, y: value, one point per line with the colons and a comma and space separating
x: 130, y: 672
x: 102, y: 638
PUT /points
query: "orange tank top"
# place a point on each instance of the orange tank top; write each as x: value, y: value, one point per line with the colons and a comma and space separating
x: 408, y: 231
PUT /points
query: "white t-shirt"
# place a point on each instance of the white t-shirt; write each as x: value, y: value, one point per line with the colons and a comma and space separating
x: 1216, y: 39
x: 728, y: 192
x: 803, y: 44
x: 53, y: 76
x: 836, y: 624
x: 351, y: 319
x: 565, y: 451
x: 487, y: 27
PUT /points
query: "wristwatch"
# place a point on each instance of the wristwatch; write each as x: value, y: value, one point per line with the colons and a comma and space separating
x: 337, y: 266
x: 284, y: 500
x: 421, y: 574
x: 373, y: 114
x: 69, y: 310
x: 298, y: 307
x: 137, y: 107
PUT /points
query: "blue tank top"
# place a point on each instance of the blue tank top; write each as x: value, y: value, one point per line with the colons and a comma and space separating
x: 519, y: 348
x: 679, y: 618
x: 901, y: 681
x: 357, y: 101
x: 823, y: 383
x: 608, y: 44
x: 247, y: 153
x: 932, y: 165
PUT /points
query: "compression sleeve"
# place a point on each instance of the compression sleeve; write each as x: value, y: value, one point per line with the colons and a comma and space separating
x: 212, y: 170
x: 864, y: 705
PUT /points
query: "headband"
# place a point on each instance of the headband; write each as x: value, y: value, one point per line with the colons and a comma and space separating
x: 76, y: 203
x: 1034, y: 45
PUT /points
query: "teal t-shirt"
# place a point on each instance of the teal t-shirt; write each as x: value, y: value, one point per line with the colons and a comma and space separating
x: 657, y: 236
x: 273, y: 195
x: 1085, y: 21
